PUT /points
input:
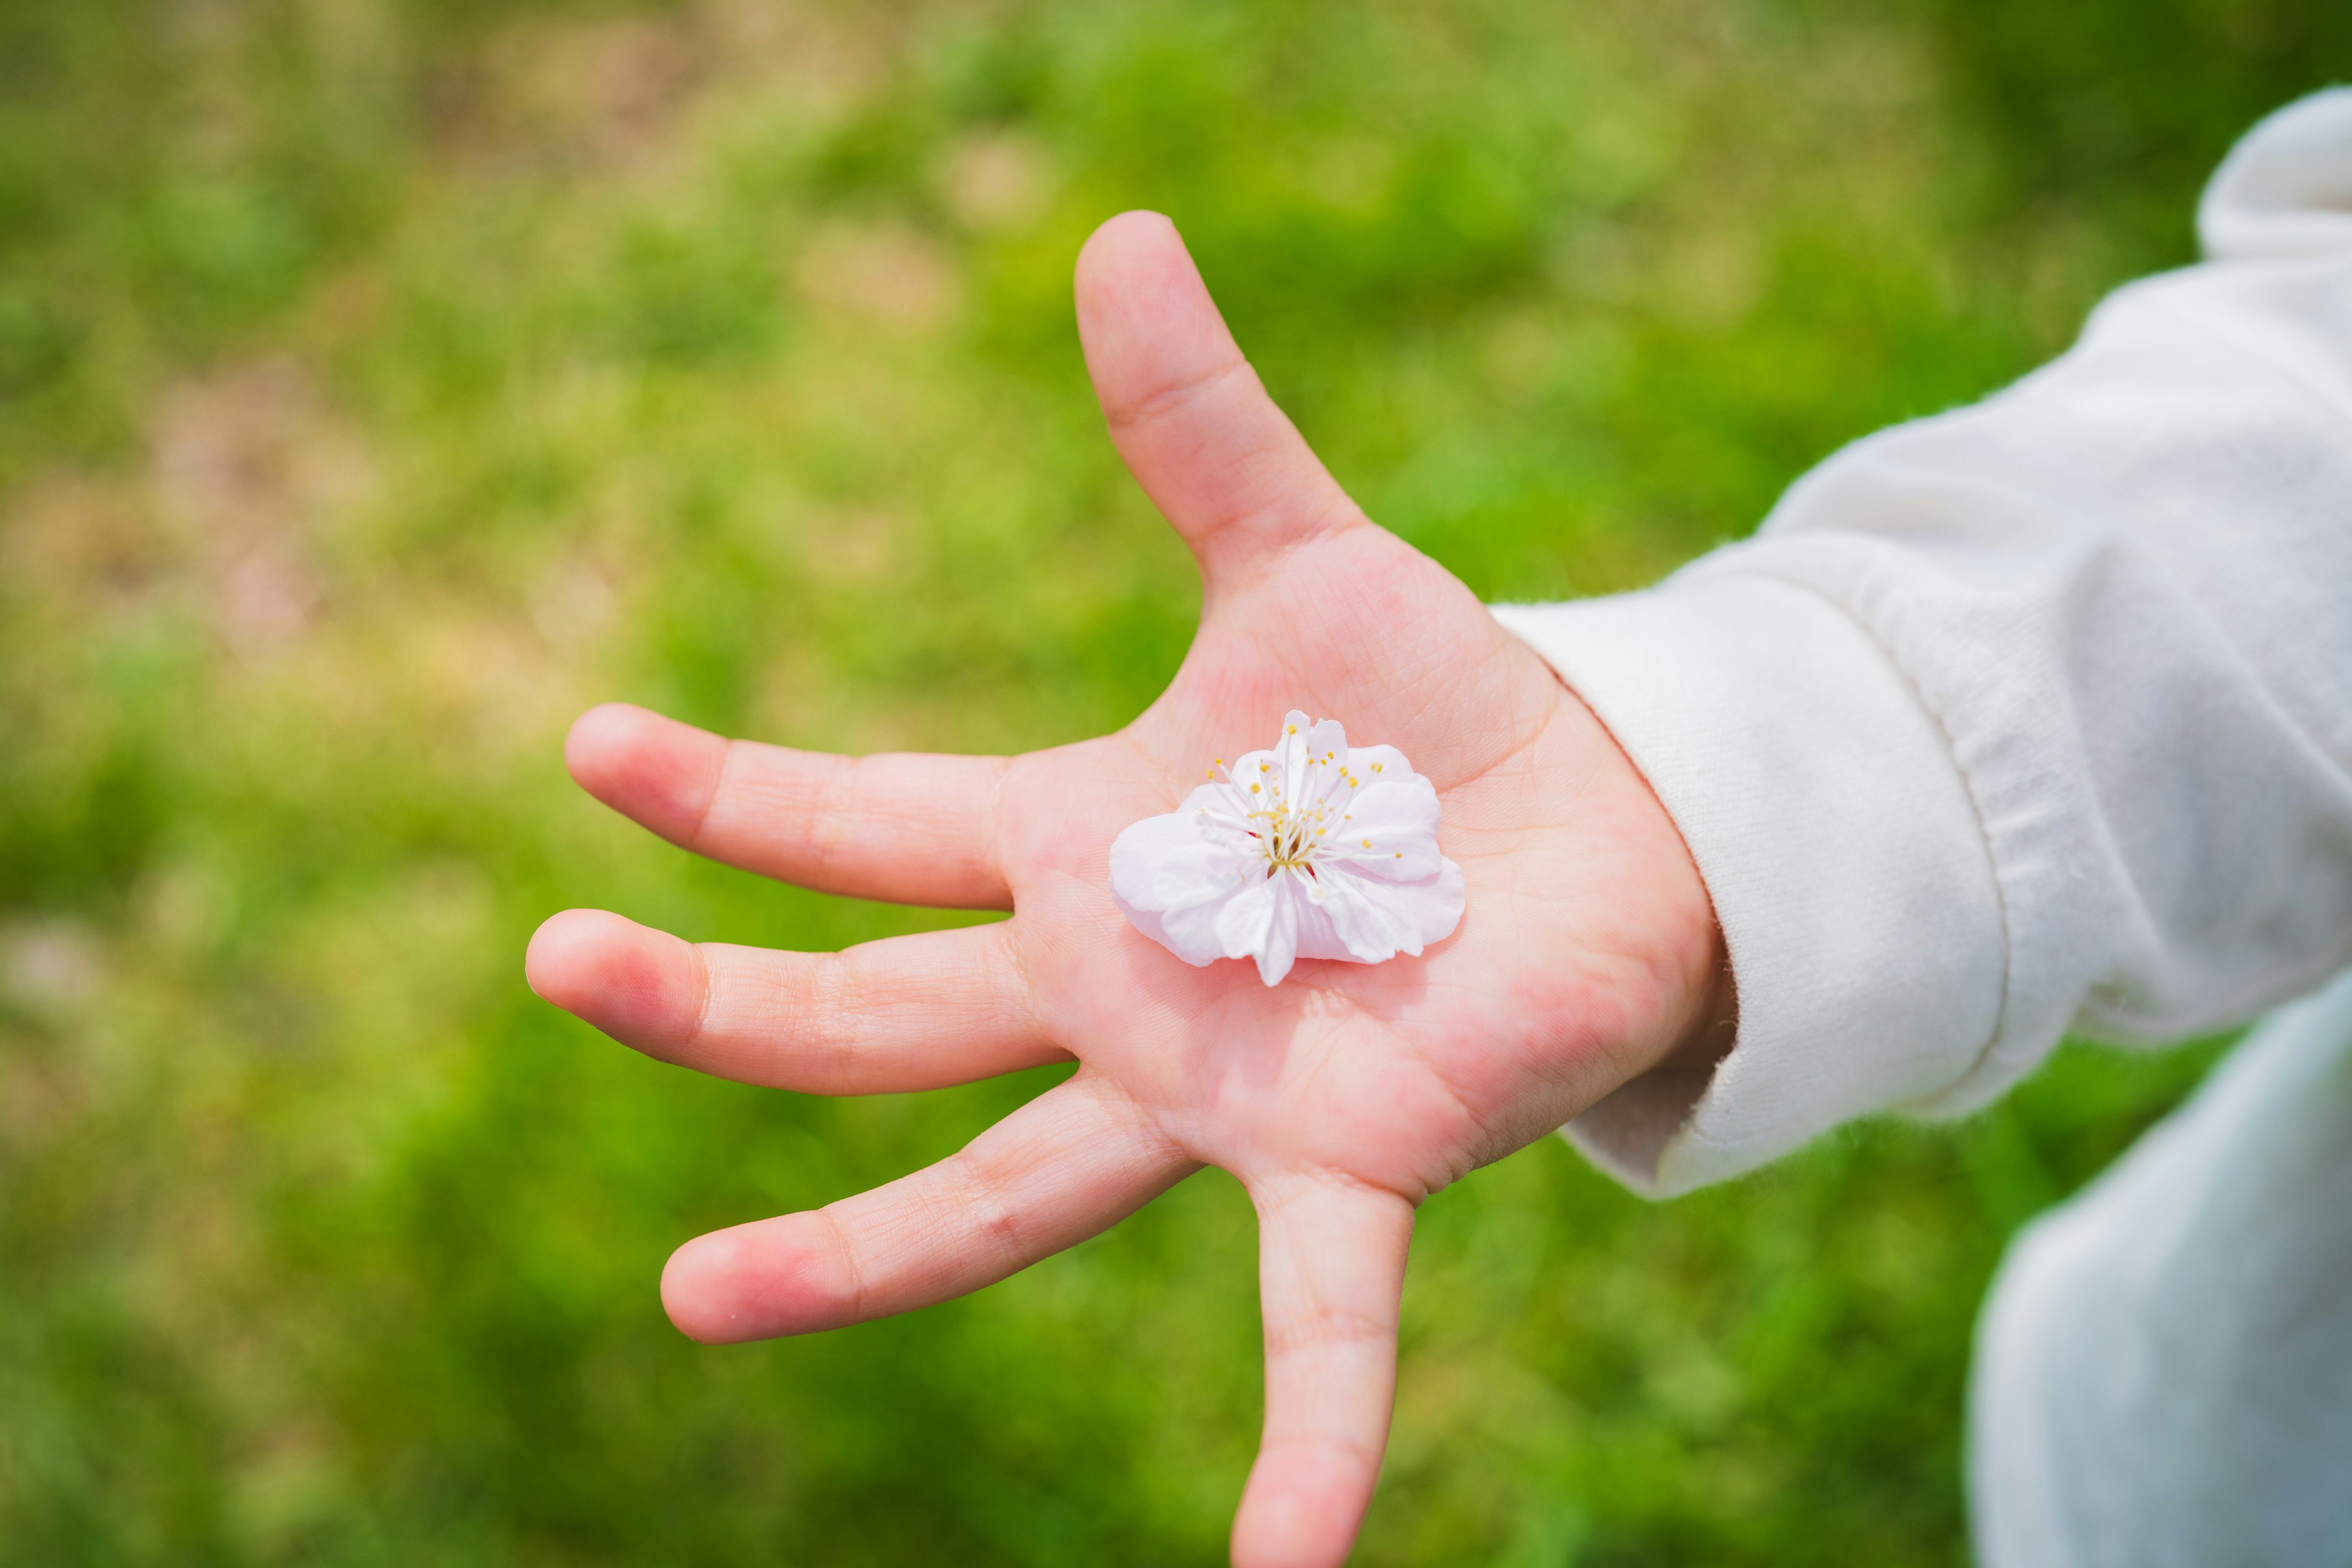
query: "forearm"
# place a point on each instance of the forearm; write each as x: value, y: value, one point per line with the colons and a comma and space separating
x: 2032, y: 716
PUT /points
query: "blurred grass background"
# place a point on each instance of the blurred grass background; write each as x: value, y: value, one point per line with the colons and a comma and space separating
x: 382, y: 382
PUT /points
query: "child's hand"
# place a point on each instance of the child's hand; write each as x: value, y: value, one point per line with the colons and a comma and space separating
x: 1587, y: 953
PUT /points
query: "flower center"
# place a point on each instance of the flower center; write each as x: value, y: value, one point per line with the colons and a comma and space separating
x: 1289, y: 846
x: 1288, y: 805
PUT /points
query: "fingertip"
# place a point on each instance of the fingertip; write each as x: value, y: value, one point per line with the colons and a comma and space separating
x: 632, y: 981
x: 654, y: 769
x: 601, y: 740
x: 689, y: 1294
x: 757, y: 1281
x: 1301, y: 1510
x: 1118, y: 243
x: 1145, y: 318
x: 560, y: 953
x: 1133, y: 265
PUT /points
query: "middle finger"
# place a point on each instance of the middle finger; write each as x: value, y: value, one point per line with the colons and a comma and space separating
x: 885, y: 1017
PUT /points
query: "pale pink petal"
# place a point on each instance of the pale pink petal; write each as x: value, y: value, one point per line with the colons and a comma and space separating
x: 1242, y: 923
x: 1171, y: 875
x: 1317, y: 937
x: 1431, y: 907
x: 1390, y: 830
x: 1163, y: 861
x: 1366, y: 922
x: 1291, y: 753
x: 1378, y: 764
x: 1326, y: 743
x: 1281, y: 946
x: 1250, y: 762
x: 1262, y: 923
x: 1150, y: 924
x: 1192, y: 930
x: 1258, y: 768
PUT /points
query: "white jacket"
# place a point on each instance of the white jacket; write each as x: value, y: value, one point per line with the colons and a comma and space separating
x: 2028, y: 718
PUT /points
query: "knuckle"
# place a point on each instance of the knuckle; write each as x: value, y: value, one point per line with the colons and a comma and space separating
x: 713, y: 790
x: 830, y: 819
x: 1162, y: 402
x: 987, y: 1211
x: 836, y: 1018
x: 1325, y: 1325
x: 706, y: 991
x: 844, y: 1282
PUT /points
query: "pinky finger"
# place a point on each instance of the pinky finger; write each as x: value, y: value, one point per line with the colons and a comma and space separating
x: 1330, y: 1276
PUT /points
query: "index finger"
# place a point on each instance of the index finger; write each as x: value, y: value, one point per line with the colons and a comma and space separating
x: 903, y: 827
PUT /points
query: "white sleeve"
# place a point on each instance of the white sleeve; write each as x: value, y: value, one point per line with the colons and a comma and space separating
x: 2030, y: 717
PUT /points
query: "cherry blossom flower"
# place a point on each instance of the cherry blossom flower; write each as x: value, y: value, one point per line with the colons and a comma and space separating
x: 1313, y: 849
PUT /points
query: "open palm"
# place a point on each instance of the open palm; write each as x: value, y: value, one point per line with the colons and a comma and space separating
x: 1340, y: 1098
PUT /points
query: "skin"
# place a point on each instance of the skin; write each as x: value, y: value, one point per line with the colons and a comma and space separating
x: 1588, y: 953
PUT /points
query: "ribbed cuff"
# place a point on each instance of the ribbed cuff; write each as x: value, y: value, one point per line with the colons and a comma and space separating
x: 1838, y: 841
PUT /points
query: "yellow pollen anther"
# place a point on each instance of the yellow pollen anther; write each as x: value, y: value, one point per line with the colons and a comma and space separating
x: 1368, y: 844
x: 1253, y: 789
x: 1293, y: 729
x: 1376, y: 767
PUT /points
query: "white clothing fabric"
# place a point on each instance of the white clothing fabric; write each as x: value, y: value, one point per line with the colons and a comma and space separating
x: 2031, y: 717
x: 2163, y: 1375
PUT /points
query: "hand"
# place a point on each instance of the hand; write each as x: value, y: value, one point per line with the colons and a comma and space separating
x: 1588, y: 953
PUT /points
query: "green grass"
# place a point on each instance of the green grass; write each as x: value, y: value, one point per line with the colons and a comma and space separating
x: 384, y: 381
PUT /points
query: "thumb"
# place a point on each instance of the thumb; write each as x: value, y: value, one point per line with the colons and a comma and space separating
x: 1208, y: 446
